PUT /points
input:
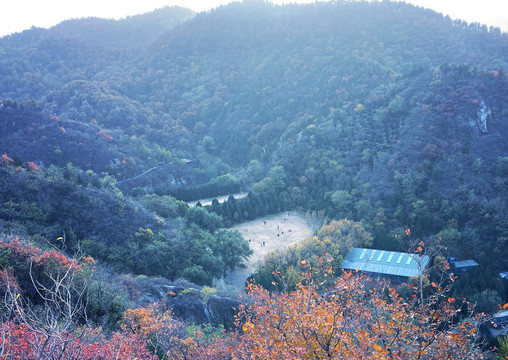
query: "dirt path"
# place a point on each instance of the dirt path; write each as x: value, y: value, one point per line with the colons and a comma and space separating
x: 267, y: 234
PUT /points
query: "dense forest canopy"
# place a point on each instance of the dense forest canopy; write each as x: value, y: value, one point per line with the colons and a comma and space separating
x: 381, y: 116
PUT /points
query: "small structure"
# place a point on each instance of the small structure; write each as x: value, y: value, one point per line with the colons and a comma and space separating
x: 501, y: 318
x: 500, y: 324
x: 392, y: 265
x: 463, y: 266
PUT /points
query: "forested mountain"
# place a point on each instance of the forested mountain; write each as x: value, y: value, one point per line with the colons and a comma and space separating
x: 379, y: 112
x: 132, y: 32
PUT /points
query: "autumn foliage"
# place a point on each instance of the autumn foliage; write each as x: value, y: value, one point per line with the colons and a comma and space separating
x: 355, y: 318
x: 352, y: 320
x: 5, y: 160
x: 21, y: 342
x: 102, y: 134
x: 43, y: 313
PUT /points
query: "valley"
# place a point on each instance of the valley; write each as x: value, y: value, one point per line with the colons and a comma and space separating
x: 334, y: 125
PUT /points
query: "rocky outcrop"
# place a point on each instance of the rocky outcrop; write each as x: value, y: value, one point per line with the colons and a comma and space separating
x: 188, y: 305
x: 482, y: 114
x: 222, y: 310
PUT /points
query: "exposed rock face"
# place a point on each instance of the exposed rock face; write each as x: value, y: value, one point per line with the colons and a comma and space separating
x: 482, y: 114
x: 188, y: 306
x: 223, y: 310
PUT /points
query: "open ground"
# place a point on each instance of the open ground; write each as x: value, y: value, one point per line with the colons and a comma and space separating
x: 274, y: 232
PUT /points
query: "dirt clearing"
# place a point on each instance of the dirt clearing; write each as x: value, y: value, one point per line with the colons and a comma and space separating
x: 272, y: 232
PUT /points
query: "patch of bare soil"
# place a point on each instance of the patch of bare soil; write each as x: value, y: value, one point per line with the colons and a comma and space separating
x: 274, y: 232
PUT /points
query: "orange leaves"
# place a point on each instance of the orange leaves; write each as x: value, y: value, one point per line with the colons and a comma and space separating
x: 7, y: 279
x: 18, y: 250
x: 102, y: 134
x: 140, y: 321
x: 157, y: 326
x: 31, y: 166
x: 55, y: 258
x: 348, y: 322
x: 88, y: 260
x: 5, y: 160
x: 23, y: 343
x: 21, y: 252
x: 247, y: 326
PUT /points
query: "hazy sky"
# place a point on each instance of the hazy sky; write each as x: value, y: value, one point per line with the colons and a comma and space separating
x: 17, y: 15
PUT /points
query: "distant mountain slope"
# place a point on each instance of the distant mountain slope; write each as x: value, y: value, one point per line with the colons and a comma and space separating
x: 31, y: 136
x: 247, y: 65
x: 132, y: 32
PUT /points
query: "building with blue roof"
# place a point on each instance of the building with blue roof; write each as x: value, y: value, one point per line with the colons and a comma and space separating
x: 463, y: 266
x: 388, y: 264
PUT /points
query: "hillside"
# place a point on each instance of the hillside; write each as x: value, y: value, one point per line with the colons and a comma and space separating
x: 379, y: 112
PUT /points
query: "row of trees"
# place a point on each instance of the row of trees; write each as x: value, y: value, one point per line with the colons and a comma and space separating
x: 253, y: 206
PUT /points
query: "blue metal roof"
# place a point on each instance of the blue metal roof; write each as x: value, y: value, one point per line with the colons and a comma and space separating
x: 385, y: 262
x: 465, y: 263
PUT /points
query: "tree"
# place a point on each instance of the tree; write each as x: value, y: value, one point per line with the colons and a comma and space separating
x: 274, y: 182
x: 343, y: 202
x: 502, y: 350
x: 255, y: 170
x: 343, y: 235
x: 52, y: 323
x: 58, y: 320
x: 231, y: 248
x: 353, y: 320
x: 165, y: 335
x: 106, y: 300
x: 207, y: 220
x: 486, y: 301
